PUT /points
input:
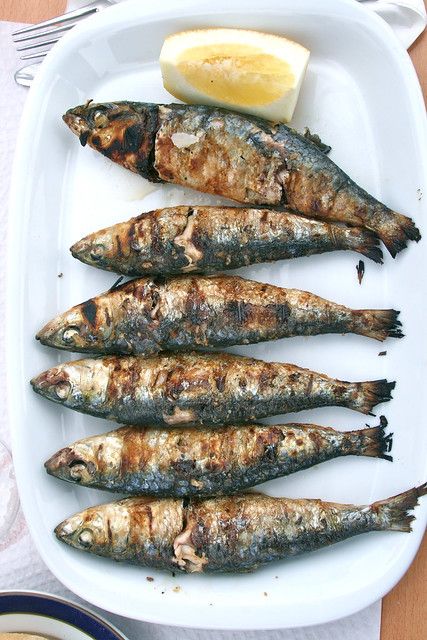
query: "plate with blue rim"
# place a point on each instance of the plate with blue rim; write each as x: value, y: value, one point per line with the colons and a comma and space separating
x: 52, y: 617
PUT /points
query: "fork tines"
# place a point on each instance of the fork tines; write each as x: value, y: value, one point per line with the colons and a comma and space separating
x: 44, y: 34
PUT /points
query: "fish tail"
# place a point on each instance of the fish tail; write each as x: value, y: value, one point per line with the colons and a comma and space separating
x: 364, y: 242
x: 378, y: 323
x: 372, y: 442
x: 393, y: 512
x: 396, y: 231
x: 372, y: 393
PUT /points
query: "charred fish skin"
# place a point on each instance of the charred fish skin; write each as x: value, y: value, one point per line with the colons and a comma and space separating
x: 124, y: 132
x: 150, y: 315
x: 229, y: 534
x: 268, y: 165
x: 198, y: 389
x: 240, y: 157
x: 340, y: 197
x: 244, y: 532
x: 208, y: 239
x: 136, y: 530
x: 210, y: 462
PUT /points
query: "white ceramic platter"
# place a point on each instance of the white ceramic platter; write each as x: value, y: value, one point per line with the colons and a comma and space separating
x: 362, y: 96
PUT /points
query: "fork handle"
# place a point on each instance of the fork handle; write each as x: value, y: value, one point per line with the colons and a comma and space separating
x: 66, y: 17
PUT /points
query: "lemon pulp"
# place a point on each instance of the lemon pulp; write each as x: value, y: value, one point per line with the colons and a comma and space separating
x: 235, y: 73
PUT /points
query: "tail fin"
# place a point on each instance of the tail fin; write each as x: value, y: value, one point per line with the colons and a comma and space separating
x: 364, y: 242
x: 372, y: 442
x: 378, y: 323
x: 372, y: 393
x: 396, y: 231
x: 393, y: 512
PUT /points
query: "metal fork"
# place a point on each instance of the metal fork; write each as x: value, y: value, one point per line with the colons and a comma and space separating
x: 45, y: 34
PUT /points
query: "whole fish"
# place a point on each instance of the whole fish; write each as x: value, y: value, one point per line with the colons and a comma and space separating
x: 198, y: 389
x: 235, y: 533
x: 149, y: 315
x: 237, y: 156
x: 208, y: 462
x: 208, y: 239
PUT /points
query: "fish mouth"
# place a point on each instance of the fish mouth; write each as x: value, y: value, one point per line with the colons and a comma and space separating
x: 90, y: 252
x: 52, y: 384
x: 67, y: 465
x: 79, y: 247
x: 61, y: 531
x: 78, y: 126
x: 59, y: 461
x: 66, y: 331
x: 82, y: 251
x: 41, y: 382
x: 46, y: 335
x: 66, y: 530
x: 55, y: 332
x: 74, y: 532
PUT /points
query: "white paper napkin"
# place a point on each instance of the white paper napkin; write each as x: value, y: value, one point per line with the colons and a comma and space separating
x: 407, y: 18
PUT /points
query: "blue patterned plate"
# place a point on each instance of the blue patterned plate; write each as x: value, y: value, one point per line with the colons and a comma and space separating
x: 41, y: 613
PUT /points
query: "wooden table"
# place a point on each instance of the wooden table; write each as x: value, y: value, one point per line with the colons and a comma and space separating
x: 404, y: 611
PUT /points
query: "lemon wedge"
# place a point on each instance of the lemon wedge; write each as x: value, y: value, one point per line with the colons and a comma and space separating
x: 248, y: 71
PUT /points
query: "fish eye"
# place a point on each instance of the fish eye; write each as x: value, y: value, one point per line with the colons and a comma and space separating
x: 76, y: 469
x: 97, y: 251
x: 62, y: 389
x: 100, y: 120
x: 69, y: 334
x: 85, y: 538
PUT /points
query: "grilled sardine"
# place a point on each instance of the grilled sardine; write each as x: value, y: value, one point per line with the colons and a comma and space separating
x: 237, y: 533
x: 208, y: 239
x: 208, y: 462
x: 149, y: 315
x: 198, y: 389
x: 237, y: 156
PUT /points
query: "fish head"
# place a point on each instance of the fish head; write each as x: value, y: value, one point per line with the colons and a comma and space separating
x: 80, y: 385
x: 117, y: 247
x: 93, y: 120
x: 97, y: 249
x: 122, y: 131
x: 102, y: 530
x: 79, y: 531
x: 106, y: 529
x: 88, y: 461
x: 86, y: 327
x: 73, y: 464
